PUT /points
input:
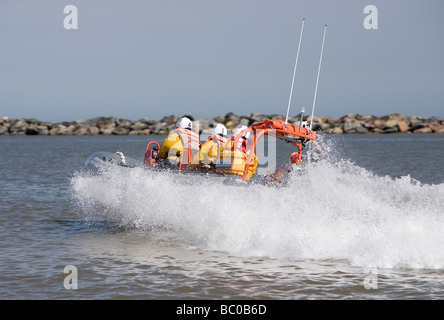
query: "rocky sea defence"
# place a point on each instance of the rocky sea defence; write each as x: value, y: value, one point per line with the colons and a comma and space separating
x: 348, y: 124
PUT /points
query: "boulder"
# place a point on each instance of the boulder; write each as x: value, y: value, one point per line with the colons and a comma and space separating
x: 18, y: 127
x: 257, y: 117
x: 369, y: 125
x: 232, y: 117
x: 106, y: 131
x: 378, y: 123
x: 402, y: 126
x: 123, y: 123
x: 332, y: 122
x: 432, y: 120
x: 390, y: 126
x: 94, y: 130
x: 244, y: 122
x: 396, y: 116
x: 94, y: 122
x: 139, y: 125
x: 390, y: 129
x: 170, y: 119
x: 423, y: 130
x: 84, y: 130
x: 361, y: 129
x: 55, y: 129
x: 230, y: 124
x: 278, y: 117
x: 436, y: 127
x: 67, y: 130
x: 219, y: 119
x: 417, y: 121
x: 377, y: 130
x: 391, y: 123
x: 120, y: 130
x: 46, y: 124
x: 33, y: 121
x: 315, y: 119
x: 4, y: 120
x: 105, y: 124
x: 61, y: 129
x: 158, y: 127
x: 350, y: 116
x: 366, y: 118
x: 417, y: 127
x: 408, y: 120
x: 291, y: 119
x: 4, y: 130
x: 145, y: 132
x: 201, y: 125
x: 335, y: 130
x: 324, y: 126
x: 354, y: 126
x: 37, y: 130
x: 339, y: 125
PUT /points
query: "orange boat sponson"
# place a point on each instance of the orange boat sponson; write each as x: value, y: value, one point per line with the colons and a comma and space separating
x: 276, y: 128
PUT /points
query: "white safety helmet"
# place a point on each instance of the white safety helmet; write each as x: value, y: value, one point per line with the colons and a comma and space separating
x: 185, y: 123
x: 241, y: 128
x: 220, y: 129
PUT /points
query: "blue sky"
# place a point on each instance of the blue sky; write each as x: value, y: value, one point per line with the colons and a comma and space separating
x: 135, y: 59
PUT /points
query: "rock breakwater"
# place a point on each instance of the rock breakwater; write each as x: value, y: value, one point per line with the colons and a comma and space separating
x: 348, y: 124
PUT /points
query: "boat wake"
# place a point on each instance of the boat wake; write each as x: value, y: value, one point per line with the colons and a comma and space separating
x: 336, y: 210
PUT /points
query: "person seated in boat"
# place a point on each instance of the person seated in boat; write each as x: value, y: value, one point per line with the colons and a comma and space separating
x: 295, y: 158
x: 210, y: 150
x: 233, y: 158
x: 178, y: 149
x: 282, y: 173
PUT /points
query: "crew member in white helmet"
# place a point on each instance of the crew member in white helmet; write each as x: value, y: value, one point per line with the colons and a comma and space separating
x: 211, y: 149
x: 180, y: 146
x: 237, y: 156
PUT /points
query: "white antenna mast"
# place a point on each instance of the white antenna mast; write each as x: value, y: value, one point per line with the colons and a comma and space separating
x: 317, y: 79
x: 294, y: 72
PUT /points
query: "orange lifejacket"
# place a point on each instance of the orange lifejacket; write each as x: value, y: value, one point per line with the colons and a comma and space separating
x: 221, y: 141
x: 232, y: 160
x: 191, y: 144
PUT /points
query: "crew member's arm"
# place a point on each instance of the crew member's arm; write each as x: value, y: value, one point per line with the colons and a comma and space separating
x: 197, y: 158
x: 171, y: 146
x: 252, y: 168
x: 209, y: 153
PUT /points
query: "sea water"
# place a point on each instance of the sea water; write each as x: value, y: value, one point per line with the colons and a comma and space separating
x: 364, y: 221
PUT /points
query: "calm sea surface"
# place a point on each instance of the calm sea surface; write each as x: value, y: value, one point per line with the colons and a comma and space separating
x: 364, y: 222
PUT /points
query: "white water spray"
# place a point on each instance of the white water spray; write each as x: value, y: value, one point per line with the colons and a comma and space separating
x: 337, y: 211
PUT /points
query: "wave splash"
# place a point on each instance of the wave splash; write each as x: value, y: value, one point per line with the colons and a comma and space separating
x: 336, y: 210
